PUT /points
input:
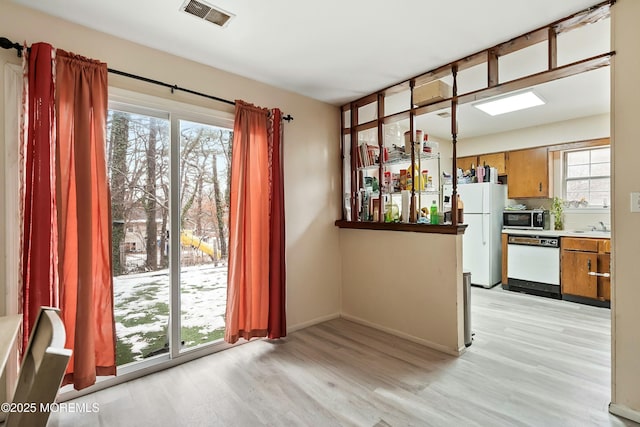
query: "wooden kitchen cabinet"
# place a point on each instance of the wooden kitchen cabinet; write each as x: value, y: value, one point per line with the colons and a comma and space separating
x: 528, y: 172
x: 575, y: 279
x: 579, y: 257
x: 604, y: 283
x: 466, y: 163
x: 496, y: 160
x: 604, y: 266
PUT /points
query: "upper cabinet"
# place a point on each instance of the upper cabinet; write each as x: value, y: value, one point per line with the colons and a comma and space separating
x: 496, y: 160
x: 528, y: 172
x: 467, y: 163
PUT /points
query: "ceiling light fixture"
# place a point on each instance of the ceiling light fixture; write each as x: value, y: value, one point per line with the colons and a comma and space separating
x: 509, y: 103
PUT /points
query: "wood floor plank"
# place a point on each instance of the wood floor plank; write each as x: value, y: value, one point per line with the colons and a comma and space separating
x: 534, y: 362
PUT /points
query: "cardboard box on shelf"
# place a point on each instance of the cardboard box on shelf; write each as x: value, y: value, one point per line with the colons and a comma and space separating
x: 431, y: 92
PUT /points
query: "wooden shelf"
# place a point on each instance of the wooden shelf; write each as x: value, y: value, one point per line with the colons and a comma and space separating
x: 400, y: 226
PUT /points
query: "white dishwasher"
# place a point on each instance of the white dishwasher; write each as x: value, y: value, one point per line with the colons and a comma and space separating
x: 533, y: 265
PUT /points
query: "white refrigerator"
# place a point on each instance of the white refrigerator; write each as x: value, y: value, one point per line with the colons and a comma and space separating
x: 482, y: 244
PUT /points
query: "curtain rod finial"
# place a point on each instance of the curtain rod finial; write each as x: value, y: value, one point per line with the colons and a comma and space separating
x: 5, y: 43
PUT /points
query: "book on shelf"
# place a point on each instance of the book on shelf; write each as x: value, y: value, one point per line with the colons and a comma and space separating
x: 367, y: 155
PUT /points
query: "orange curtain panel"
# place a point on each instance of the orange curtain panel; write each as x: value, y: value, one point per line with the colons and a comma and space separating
x: 250, y: 301
x: 66, y: 250
x: 84, y: 218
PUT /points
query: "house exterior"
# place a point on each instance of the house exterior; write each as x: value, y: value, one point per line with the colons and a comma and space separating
x: 320, y: 287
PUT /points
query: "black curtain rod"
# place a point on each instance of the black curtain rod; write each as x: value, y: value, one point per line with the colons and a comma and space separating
x: 8, y: 44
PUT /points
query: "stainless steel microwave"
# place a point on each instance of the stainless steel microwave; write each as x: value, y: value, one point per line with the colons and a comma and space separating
x: 536, y: 219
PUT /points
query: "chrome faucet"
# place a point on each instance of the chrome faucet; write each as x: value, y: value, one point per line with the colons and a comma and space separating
x: 602, y: 227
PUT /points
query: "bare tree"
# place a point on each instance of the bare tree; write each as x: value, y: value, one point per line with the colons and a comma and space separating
x: 150, y: 202
x: 220, y: 209
x: 118, y: 142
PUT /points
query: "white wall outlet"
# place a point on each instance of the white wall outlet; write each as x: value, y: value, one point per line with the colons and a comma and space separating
x: 635, y: 202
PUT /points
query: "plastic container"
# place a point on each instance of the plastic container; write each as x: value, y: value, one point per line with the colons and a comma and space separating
x: 391, y: 212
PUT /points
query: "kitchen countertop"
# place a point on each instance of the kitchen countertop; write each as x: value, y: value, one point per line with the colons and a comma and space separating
x: 559, y: 233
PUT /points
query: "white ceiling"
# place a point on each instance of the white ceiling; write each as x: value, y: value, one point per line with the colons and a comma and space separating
x: 339, y: 50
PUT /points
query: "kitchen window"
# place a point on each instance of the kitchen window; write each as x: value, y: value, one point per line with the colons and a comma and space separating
x: 587, y: 177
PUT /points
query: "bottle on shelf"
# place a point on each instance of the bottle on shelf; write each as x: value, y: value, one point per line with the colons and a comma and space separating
x: 433, y: 213
x: 347, y: 206
x: 426, y: 146
x: 365, y: 206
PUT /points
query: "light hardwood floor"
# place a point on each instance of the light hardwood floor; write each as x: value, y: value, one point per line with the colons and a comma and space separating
x: 534, y: 362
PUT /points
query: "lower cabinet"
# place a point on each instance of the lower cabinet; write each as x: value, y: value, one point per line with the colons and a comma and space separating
x: 585, y: 266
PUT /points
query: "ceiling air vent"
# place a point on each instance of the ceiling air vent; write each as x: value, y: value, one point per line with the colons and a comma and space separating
x: 207, y: 12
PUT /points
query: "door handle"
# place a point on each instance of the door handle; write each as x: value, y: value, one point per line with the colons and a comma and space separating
x: 540, y: 186
x: 593, y: 273
x: 589, y: 266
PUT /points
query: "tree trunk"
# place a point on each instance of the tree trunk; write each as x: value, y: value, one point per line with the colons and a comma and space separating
x: 227, y: 193
x: 118, y: 152
x: 164, y: 233
x: 150, y: 203
x: 199, y: 185
x: 220, y: 209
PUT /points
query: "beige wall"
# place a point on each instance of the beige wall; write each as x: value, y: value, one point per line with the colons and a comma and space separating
x: 408, y: 284
x: 554, y: 133
x: 625, y: 127
x: 311, y: 147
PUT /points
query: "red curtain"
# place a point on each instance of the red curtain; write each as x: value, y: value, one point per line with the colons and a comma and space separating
x: 256, y: 278
x: 67, y: 239
x: 277, y: 278
x: 39, y: 251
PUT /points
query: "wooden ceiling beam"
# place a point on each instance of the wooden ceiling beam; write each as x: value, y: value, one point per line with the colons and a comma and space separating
x: 493, y: 75
x: 366, y: 100
x: 552, y: 48
x: 589, y: 16
x: 568, y: 70
x: 394, y: 118
x: 524, y: 41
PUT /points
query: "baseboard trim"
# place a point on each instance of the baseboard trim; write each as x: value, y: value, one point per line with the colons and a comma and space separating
x: 623, y: 411
x: 313, y: 322
x: 426, y: 343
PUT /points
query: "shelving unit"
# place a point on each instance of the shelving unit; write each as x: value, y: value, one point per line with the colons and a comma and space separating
x: 389, y: 192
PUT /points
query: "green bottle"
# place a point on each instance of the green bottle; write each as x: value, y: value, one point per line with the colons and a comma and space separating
x: 433, y: 213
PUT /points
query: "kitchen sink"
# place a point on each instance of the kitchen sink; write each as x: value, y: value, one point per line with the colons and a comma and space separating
x: 589, y: 231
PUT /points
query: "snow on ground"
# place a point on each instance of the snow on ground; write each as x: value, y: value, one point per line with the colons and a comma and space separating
x: 142, y: 303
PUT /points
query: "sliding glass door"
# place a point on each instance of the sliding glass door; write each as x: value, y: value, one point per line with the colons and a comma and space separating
x: 205, y: 164
x: 169, y: 182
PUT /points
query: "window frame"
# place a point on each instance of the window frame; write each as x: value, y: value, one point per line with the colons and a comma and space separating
x: 566, y: 179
